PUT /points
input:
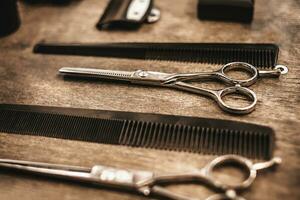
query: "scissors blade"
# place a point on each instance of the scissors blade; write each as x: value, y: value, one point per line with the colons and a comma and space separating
x: 101, y: 175
x: 98, y: 73
x: 136, y: 77
x: 44, y: 165
x: 51, y: 170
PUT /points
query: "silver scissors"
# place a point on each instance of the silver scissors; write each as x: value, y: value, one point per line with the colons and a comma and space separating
x: 148, y: 183
x: 178, y: 81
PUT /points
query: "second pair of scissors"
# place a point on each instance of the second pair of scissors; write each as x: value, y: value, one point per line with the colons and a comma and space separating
x: 149, y: 183
x: 178, y: 81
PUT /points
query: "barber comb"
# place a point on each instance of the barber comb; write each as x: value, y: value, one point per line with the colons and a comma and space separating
x: 174, y: 133
x: 259, y: 55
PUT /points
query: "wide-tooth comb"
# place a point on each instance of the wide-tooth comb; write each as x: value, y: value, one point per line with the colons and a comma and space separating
x: 259, y: 55
x: 199, y: 135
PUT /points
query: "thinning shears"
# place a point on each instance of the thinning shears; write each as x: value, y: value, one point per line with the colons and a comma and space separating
x: 148, y: 183
x: 177, y: 81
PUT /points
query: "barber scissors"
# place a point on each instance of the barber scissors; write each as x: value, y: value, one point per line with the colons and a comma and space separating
x: 148, y: 183
x: 177, y: 81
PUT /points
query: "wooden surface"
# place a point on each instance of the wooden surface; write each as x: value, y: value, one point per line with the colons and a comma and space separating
x: 32, y: 79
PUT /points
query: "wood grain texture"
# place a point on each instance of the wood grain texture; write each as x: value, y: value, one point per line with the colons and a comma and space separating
x: 32, y: 79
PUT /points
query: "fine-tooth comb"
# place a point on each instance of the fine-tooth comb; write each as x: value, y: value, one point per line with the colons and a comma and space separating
x: 259, y: 55
x: 198, y: 135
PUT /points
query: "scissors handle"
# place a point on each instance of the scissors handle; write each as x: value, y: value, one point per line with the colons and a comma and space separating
x: 243, y: 67
x: 222, y: 74
x: 218, y: 96
x: 228, y: 191
x: 240, y: 91
x: 249, y: 69
x: 243, y: 164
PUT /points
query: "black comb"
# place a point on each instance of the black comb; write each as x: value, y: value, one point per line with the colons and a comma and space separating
x: 259, y: 55
x: 199, y: 135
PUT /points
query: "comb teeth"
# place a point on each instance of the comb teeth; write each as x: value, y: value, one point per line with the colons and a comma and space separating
x: 61, y: 126
x: 194, y: 138
x: 262, y: 58
x: 259, y: 55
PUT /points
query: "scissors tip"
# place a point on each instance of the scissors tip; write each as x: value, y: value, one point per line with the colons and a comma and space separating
x: 277, y: 160
x: 63, y: 69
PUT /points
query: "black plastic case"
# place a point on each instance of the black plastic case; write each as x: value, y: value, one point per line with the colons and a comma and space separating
x: 226, y: 10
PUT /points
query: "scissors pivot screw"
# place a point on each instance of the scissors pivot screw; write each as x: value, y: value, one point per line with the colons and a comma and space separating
x: 143, y: 74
